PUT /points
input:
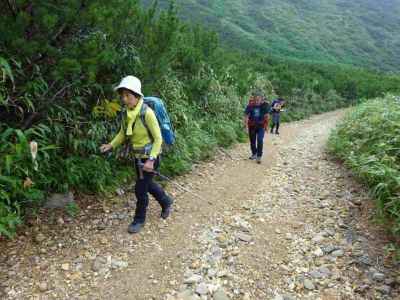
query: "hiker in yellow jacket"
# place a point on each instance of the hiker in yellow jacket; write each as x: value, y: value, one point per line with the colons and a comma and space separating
x: 146, y: 150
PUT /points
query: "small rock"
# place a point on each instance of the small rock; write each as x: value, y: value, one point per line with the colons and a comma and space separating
x: 186, y: 295
x: 365, y: 260
x: 43, y: 287
x: 325, y: 195
x: 330, y: 232
x: 169, y: 297
x: 120, y: 192
x: 230, y: 261
x: 193, y: 279
x: 65, y: 267
x: 122, y: 216
x: 202, y: 289
x: 196, y: 264
x: 246, y: 297
x: 76, y: 276
x: 362, y: 288
x: 309, y: 285
x: 318, y: 238
x: 246, y: 206
x: 316, y: 274
x: 211, y: 273
x: 337, y: 253
x: 329, y: 249
x: 220, y: 295
x: 222, y: 240
x: 318, y: 252
x: 342, y: 225
x: 380, y: 277
x: 35, y: 260
x: 222, y: 274
x: 130, y: 204
x: 118, y: 264
x: 390, y: 281
x: 39, y: 238
x: 324, y: 271
x: 244, y: 237
x: 216, y: 255
x: 172, y: 282
x: 101, y: 226
x: 98, y: 264
x: 385, y: 289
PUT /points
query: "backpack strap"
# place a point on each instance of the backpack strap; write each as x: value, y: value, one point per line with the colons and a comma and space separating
x: 143, y: 111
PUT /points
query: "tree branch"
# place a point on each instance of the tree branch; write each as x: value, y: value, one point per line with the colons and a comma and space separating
x: 10, y: 6
x: 60, y: 31
x: 28, y: 122
x: 60, y: 91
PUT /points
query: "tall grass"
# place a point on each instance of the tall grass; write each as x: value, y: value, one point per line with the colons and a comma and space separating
x: 368, y: 141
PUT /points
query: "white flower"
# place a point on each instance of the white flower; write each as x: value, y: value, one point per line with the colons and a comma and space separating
x: 34, y: 149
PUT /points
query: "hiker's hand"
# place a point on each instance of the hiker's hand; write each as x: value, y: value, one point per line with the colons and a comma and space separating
x: 148, y: 166
x: 105, y: 148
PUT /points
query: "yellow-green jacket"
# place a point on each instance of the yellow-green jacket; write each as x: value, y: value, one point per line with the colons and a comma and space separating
x: 137, y: 133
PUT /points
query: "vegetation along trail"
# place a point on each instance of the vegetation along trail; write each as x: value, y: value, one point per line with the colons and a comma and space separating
x: 293, y: 227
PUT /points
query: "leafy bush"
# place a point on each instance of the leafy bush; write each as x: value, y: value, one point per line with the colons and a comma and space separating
x: 9, y: 219
x: 72, y: 209
x: 368, y: 141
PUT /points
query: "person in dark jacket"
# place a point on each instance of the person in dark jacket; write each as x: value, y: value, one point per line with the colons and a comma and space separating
x: 276, y: 108
x: 256, y: 121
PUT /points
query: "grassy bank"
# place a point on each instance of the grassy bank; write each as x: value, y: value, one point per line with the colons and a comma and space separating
x: 368, y: 141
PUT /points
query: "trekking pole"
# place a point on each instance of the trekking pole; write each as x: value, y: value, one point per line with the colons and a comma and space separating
x: 141, y: 165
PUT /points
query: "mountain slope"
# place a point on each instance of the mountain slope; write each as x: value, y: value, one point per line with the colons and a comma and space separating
x: 360, y: 32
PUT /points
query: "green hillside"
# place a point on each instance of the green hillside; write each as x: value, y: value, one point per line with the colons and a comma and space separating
x: 361, y: 32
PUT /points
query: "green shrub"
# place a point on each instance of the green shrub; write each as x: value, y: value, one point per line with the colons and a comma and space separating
x: 72, y: 209
x: 226, y: 134
x: 9, y: 219
x: 368, y: 141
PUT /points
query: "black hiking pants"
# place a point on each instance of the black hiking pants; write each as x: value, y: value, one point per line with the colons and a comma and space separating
x: 256, y: 135
x: 145, y: 185
x: 276, y: 120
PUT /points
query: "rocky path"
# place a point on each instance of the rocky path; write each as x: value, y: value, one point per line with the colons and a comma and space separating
x: 295, y: 227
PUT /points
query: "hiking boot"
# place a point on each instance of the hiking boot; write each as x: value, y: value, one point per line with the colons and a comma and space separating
x: 253, y: 157
x: 135, y: 227
x: 165, y: 212
x: 277, y: 132
x: 259, y: 160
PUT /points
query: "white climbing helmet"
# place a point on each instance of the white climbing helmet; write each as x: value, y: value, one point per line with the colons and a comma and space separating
x: 131, y: 83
